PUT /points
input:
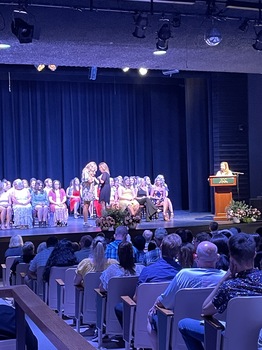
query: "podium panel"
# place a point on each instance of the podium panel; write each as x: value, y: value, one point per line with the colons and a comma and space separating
x: 223, y: 194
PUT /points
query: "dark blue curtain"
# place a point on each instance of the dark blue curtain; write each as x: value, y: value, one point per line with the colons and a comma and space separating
x: 53, y: 128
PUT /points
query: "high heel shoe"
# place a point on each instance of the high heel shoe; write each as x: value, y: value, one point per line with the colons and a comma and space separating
x: 172, y: 215
x: 166, y: 216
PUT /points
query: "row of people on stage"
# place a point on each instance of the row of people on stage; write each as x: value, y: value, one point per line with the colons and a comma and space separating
x: 22, y: 202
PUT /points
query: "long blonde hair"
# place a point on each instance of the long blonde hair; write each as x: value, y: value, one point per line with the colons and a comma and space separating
x: 104, y: 167
x: 226, y: 171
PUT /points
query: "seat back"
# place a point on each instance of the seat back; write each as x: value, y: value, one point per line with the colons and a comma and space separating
x: 21, y: 267
x: 117, y: 286
x: 91, y: 281
x: 243, y: 323
x: 188, y: 303
x: 69, y: 296
x: 55, y: 273
x: 8, y: 263
x: 39, y: 283
x: 145, y: 297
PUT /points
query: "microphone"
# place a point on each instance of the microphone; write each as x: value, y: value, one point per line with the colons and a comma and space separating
x: 237, y: 173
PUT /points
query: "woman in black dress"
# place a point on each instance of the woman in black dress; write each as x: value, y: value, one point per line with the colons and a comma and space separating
x: 105, y: 189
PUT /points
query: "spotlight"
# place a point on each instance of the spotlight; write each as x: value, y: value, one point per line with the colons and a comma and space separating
x: 142, y: 71
x: 22, y: 30
x: 125, y: 69
x: 258, y: 44
x: 213, y: 37
x: 141, y: 22
x: 244, y: 25
x: 163, y: 35
x: 40, y: 67
x: 52, y: 67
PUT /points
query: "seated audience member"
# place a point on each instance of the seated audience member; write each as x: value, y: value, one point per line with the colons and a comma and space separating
x: 153, y: 255
x: 186, y: 256
x: 62, y: 255
x: 139, y: 246
x: 200, y: 237
x: 213, y: 227
x: 21, y: 200
x: 85, y: 248
x: 5, y: 207
x: 112, y: 248
x: 97, y: 262
x: 41, y: 247
x: 15, y: 246
x: 40, y: 203
x: 226, y: 232
x: 8, y: 327
x: 185, y: 234
x: 28, y: 254
x: 126, y: 266
x: 151, y: 245
x: 41, y: 257
x: 148, y: 235
x: 242, y: 279
x: 127, y: 196
x: 57, y: 199
x: 204, y: 275
x: 221, y: 242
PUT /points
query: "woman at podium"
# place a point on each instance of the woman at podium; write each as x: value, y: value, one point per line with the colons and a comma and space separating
x: 224, y: 170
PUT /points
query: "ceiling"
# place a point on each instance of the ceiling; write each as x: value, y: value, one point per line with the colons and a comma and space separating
x: 81, y: 33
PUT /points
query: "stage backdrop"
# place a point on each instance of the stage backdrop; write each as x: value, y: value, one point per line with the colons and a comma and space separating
x: 53, y: 127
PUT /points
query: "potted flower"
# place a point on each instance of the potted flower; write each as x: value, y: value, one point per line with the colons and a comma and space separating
x: 239, y: 211
x: 114, y: 217
x: 132, y: 220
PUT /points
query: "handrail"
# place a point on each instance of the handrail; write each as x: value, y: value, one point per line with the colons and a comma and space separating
x: 61, y: 335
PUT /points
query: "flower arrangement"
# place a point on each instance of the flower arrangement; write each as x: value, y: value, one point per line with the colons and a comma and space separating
x: 114, y: 217
x: 239, y: 211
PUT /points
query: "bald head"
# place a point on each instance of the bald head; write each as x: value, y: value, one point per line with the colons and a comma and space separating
x: 206, y: 254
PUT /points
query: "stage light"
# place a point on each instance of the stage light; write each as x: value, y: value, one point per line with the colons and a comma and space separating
x: 143, y: 71
x: 163, y: 35
x: 52, y: 67
x: 159, y: 52
x: 258, y: 44
x: 141, y: 22
x: 213, y: 37
x: 40, y: 67
x: 4, y: 46
x: 22, y: 30
x: 125, y: 69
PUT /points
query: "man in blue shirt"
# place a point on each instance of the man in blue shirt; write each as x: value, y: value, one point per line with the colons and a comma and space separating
x: 112, y: 248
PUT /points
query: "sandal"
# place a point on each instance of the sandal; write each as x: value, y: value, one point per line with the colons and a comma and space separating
x: 172, y: 216
x: 166, y: 216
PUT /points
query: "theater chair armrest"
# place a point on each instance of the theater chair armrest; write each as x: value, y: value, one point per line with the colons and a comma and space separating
x: 213, y: 333
x: 165, y: 318
x: 60, y: 295
x: 129, y: 301
x: 129, y: 306
x: 165, y: 312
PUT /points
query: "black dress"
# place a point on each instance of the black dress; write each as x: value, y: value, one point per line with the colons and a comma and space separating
x: 142, y: 199
x: 105, y: 189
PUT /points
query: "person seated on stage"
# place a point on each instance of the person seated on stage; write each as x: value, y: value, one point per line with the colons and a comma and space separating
x: 74, y: 197
x: 148, y: 184
x: 28, y: 254
x: 15, y: 246
x: 21, y: 200
x: 224, y: 170
x: 97, y: 262
x: 139, y: 243
x: 153, y: 255
x: 127, y: 196
x: 57, y: 199
x: 169, y: 203
x: 242, y: 279
x: 40, y: 203
x: 113, y: 193
x: 143, y: 198
x: 125, y: 267
x: 62, y: 255
x: 32, y: 184
x: 5, y: 207
x: 159, y: 196
x: 85, y: 248
x: 48, y: 185
x: 148, y: 235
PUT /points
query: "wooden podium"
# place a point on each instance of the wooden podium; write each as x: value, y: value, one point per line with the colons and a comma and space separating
x: 223, y: 193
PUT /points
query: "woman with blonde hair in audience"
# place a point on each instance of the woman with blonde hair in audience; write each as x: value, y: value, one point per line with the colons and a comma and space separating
x: 15, y: 246
x: 87, y: 189
x: 57, y: 199
x: 97, y: 262
x: 127, y: 196
x: 21, y: 200
x: 5, y: 207
x: 40, y: 203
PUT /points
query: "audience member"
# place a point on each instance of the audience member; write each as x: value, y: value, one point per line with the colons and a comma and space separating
x: 240, y: 280
x: 221, y: 242
x: 155, y: 254
x: 213, y: 227
x: 148, y: 235
x: 185, y: 234
x: 139, y: 246
x: 85, y: 248
x: 15, y: 246
x: 112, y: 248
x: 97, y: 262
x: 186, y: 256
x: 200, y: 237
x: 28, y: 254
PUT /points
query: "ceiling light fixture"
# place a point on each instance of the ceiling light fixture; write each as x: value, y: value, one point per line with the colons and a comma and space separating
x: 52, y: 67
x: 141, y: 22
x: 40, y: 67
x: 143, y: 71
x: 163, y: 35
x: 213, y: 37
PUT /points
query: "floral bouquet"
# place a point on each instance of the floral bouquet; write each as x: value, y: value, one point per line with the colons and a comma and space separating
x: 105, y: 222
x: 242, y: 212
x: 132, y: 220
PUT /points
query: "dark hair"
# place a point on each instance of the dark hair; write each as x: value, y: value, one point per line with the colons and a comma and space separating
x: 75, y: 246
x: 213, y: 226
x: 139, y: 242
x: 86, y: 241
x: 37, y: 184
x: 202, y: 236
x: 186, y: 256
x: 126, y: 257
x: 51, y: 241
x: 242, y: 247
x: 186, y: 235
x: 170, y: 245
x: 221, y: 241
x: 151, y: 245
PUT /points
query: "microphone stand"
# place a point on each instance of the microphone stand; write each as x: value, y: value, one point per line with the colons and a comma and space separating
x: 237, y: 173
